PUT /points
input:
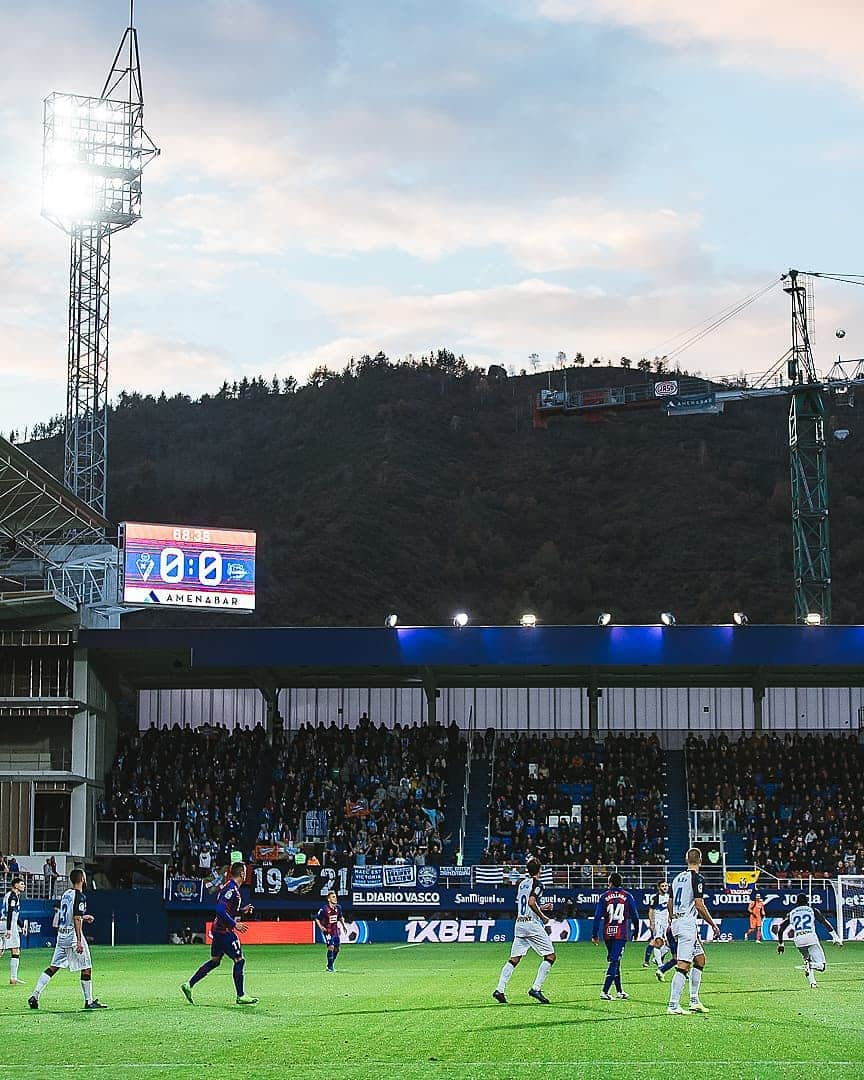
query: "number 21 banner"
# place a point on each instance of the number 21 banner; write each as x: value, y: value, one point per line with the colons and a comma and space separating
x: 188, y: 566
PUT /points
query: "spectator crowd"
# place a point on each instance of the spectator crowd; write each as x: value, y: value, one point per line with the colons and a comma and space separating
x: 383, y: 790
x: 797, y: 799
x: 203, y: 777
x: 571, y: 800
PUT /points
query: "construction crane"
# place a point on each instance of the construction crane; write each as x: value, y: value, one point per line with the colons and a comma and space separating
x: 794, y: 376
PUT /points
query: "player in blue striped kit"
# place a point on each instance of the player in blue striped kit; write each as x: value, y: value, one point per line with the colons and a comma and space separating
x: 616, y: 913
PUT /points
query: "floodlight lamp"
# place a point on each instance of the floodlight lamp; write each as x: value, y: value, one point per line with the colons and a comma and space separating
x: 604, y: 618
x: 528, y: 620
x: 667, y: 618
x: 740, y: 618
x: 813, y: 618
x: 460, y: 619
x: 392, y: 620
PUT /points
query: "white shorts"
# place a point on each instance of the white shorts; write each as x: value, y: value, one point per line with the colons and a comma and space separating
x: 688, y: 945
x: 812, y: 951
x: 661, y: 924
x: 67, y: 956
x: 531, y: 935
x: 13, y: 942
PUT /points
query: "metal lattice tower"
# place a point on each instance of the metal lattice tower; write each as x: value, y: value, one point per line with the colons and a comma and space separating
x: 95, y: 150
x: 808, y: 465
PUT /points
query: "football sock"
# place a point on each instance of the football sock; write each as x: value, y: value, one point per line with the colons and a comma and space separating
x: 658, y: 957
x: 13, y: 967
x: 87, y: 990
x: 41, y: 983
x: 647, y: 957
x: 331, y: 956
x: 670, y: 963
x: 678, y: 981
x: 542, y: 972
x: 504, y: 977
x: 618, y: 981
x: 205, y: 969
x: 695, y: 980
x: 607, y: 983
x: 238, y: 976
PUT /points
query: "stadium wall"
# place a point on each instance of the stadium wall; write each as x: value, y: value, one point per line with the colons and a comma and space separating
x: 675, y: 711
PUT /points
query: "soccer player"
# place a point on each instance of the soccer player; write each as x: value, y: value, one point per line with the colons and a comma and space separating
x: 616, y: 911
x: 226, y: 926
x: 686, y: 906
x: 71, y: 951
x: 803, y: 918
x: 532, y: 932
x: 658, y: 921
x: 330, y: 921
x: 11, y: 929
x: 756, y: 907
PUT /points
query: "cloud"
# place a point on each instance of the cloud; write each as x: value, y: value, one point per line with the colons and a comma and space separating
x: 150, y: 364
x: 507, y: 323
x: 828, y: 39
x: 558, y: 234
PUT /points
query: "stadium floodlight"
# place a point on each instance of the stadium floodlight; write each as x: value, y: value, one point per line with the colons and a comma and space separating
x: 667, y: 618
x: 392, y: 620
x: 528, y: 620
x: 813, y: 618
x: 740, y: 618
x: 94, y: 152
x: 460, y: 619
x: 604, y: 618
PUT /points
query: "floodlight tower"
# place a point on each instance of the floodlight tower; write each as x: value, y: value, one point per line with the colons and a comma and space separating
x: 94, y: 152
x: 808, y: 465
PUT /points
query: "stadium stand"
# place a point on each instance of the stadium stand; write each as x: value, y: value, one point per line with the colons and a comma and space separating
x: 203, y: 778
x: 798, y: 799
x: 383, y: 788
x: 616, y: 786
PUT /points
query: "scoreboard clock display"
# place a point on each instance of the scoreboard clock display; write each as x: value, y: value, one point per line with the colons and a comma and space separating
x: 188, y: 566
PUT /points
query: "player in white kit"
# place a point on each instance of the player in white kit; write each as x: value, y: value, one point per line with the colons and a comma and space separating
x: 72, y: 951
x: 658, y: 921
x: 803, y: 918
x: 531, y: 932
x: 10, y: 929
x: 686, y: 907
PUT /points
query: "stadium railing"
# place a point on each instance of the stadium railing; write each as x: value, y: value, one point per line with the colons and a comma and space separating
x: 37, y: 886
x: 136, y: 837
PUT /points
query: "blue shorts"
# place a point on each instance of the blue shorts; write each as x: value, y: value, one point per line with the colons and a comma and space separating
x: 332, y: 940
x: 226, y: 944
x: 614, y: 948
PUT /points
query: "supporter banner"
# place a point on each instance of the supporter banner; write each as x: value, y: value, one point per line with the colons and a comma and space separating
x: 460, y: 875
x: 741, y: 879
x: 282, y: 880
x: 316, y: 824
x: 186, y: 890
x: 367, y: 877
x: 404, y: 876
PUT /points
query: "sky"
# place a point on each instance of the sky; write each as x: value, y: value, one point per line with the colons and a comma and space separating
x: 499, y: 177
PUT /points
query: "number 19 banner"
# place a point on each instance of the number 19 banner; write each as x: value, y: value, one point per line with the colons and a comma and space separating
x: 188, y: 566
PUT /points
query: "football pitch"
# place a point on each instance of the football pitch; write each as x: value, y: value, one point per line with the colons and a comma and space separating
x: 426, y: 1012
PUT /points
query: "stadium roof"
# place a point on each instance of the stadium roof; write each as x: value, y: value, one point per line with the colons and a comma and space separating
x: 36, y: 508
x: 479, y: 656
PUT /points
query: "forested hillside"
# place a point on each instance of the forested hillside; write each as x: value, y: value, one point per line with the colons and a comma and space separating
x: 423, y: 488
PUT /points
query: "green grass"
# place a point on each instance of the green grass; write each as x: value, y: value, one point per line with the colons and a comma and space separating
x: 426, y: 1012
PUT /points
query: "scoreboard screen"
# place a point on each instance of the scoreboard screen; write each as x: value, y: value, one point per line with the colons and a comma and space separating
x: 188, y: 566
